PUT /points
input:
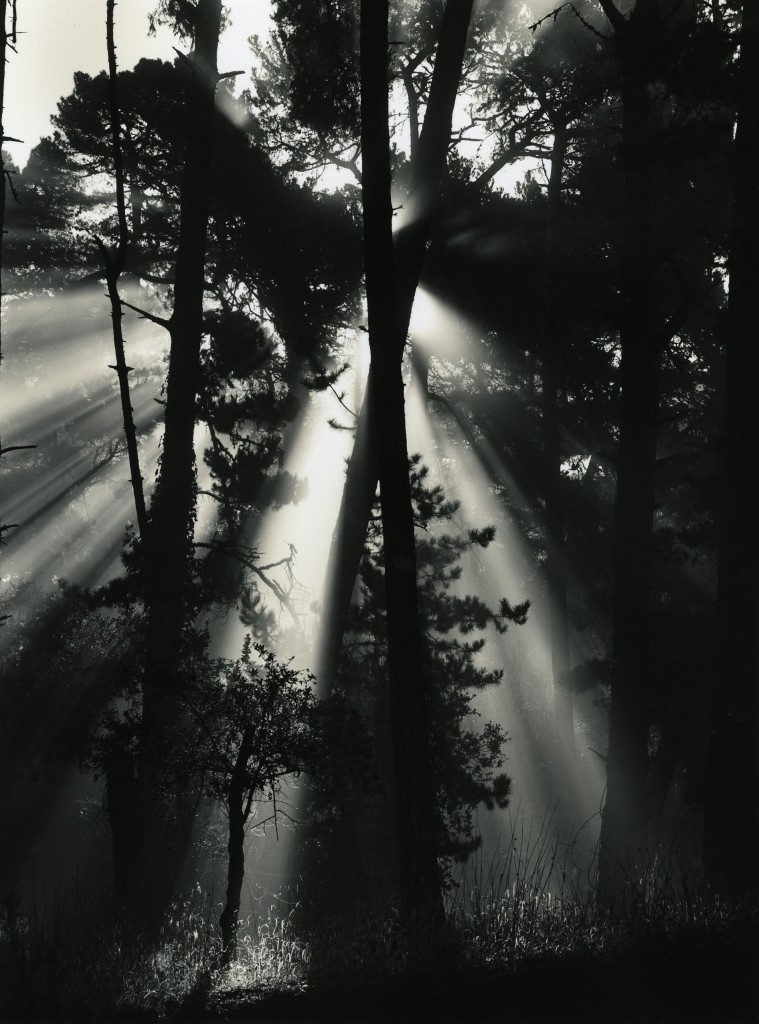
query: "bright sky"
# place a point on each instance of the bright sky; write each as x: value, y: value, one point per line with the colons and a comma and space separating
x: 63, y: 36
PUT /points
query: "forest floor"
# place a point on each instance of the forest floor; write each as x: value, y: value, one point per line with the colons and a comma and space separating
x: 704, y: 976
x: 703, y: 979
x: 518, y: 958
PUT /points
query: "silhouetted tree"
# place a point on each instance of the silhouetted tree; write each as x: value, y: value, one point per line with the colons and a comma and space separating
x: 731, y: 838
x: 640, y: 41
x: 465, y: 756
x: 257, y: 725
x: 114, y: 264
x: 409, y: 702
x: 410, y: 247
x: 7, y: 38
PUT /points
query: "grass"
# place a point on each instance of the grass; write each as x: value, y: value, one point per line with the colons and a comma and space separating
x: 513, y: 950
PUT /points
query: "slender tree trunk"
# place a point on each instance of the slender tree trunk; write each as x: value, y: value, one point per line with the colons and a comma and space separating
x: 123, y: 809
x: 173, y: 509
x: 363, y: 471
x: 230, y: 915
x: 623, y: 829
x: 4, y: 36
x: 662, y: 768
x: 348, y: 539
x: 7, y: 37
x: 169, y: 553
x: 731, y: 812
x: 239, y: 809
x: 114, y: 264
x: 409, y: 706
x: 432, y: 152
x: 556, y: 572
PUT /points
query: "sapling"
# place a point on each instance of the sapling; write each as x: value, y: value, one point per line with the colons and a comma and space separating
x: 259, y: 723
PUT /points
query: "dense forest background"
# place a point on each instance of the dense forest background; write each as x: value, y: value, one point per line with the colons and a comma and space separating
x: 380, y: 489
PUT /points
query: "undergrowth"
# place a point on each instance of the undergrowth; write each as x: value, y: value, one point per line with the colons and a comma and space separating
x: 503, y: 918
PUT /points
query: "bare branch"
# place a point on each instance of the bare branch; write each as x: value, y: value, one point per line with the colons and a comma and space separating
x: 16, y: 448
x: 161, y: 321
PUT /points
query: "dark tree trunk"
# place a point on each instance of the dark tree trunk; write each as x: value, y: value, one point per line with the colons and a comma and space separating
x: 662, y: 768
x: 348, y: 539
x: 4, y: 35
x: 239, y: 800
x: 409, y: 710
x: 363, y: 472
x: 432, y: 152
x: 623, y: 829
x: 168, y: 563
x: 556, y: 572
x: 172, y: 511
x: 731, y: 836
x: 114, y: 264
x: 230, y: 915
x: 123, y: 809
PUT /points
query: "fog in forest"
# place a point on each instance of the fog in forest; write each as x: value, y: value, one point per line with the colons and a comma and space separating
x: 380, y: 474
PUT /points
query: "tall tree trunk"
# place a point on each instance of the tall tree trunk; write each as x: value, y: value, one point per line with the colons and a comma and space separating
x: 123, y: 809
x: 7, y: 37
x: 556, y: 571
x: 169, y: 552
x: 623, y: 829
x: 348, y: 539
x: 363, y: 473
x: 731, y: 812
x: 413, y: 792
x: 173, y: 508
x: 114, y: 264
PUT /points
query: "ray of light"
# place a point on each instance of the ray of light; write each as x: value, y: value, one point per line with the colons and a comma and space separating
x: 77, y: 538
x: 436, y: 327
x: 522, y: 703
x: 316, y: 453
x: 53, y: 363
x: 42, y: 491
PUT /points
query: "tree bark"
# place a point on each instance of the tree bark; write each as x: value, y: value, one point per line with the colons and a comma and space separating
x: 623, y: 828
x: 230, y: 915
x: 347, y: 543
x: 4, y: 36
x: 731, y: 812
x: 169, y: 553
x: 173, y: 508
x: 362, y: 475
x: 113, y: 267
x: 556, y: 573
x: 409, y: 706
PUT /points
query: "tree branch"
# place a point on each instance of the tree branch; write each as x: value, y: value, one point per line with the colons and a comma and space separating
x: 161, y: 321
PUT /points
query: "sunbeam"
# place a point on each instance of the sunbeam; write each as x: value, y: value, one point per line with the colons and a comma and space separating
x: 522, y: 703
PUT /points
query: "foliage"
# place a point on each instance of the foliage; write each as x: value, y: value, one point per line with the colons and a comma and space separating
x: 466, y: 760
x: 62, y: 663
x: 259, y: 723
x: 682, y: 943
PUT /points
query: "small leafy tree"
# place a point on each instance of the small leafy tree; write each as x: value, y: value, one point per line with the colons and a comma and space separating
x: 259, y: 723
